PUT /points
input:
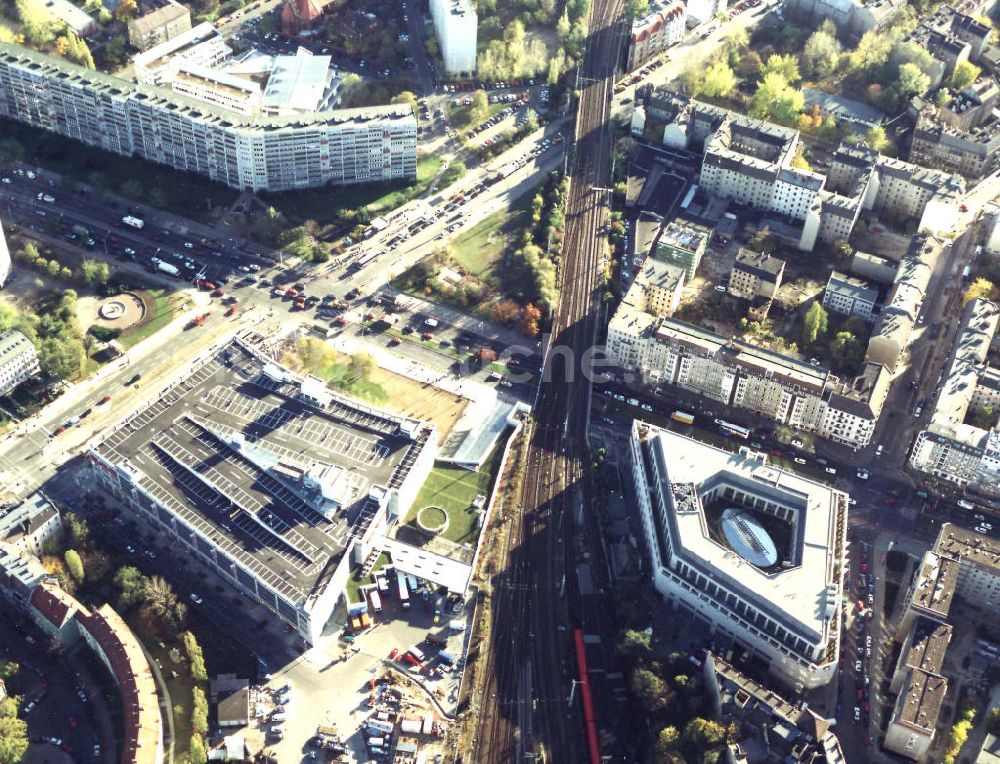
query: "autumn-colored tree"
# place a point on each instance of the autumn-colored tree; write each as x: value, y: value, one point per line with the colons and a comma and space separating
x: 530, y: 317
x: 126, y: 10
x: 505, y: 312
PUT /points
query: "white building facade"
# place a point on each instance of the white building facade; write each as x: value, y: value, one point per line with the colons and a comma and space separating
x: 456, y: 25
x: 255, y: 153
x: 18, y: 360
x: 787, y: 614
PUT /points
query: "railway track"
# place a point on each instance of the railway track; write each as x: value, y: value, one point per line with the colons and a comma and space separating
x: 524, y: 711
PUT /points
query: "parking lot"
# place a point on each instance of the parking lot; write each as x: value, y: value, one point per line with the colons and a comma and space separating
x: 66, y: 700
x: 331, y: 685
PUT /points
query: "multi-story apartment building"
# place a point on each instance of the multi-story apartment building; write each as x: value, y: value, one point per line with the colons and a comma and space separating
x: 755, y: 274
x: 4, y: 258
x: 279, y: 513
x: 852, y: 17
x: 665, y: 351
x: 749, y: 161
x: 168, y: 19
x: 29, y: 524
x: 704, y: 512
x: 682, y: 244
x: 658, y: 30
x: 257, y: 152
x: 951, y: 448
x: 201, y: 46
x: 657, y: 288
x: 961, y: 564
x: 850, y: 296
x: 894, y: 327
x: 765, y: 721
x: 18, y: 360
x: 27, y: 587
x: 962, y: 135
x: 950, y: 36
x: 456, y: 25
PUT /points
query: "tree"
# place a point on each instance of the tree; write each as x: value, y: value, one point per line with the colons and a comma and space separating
x: 74, y: 565
x: 8, y: 669
x: 13, y: 739
x: 985, y: 418
x: 964, y: 75
x: 637, y: 9
x: 777, y: 100
x: 530, y: 317
x: 666, y: 742
x: 196, y: 750
x: 195, y: 657
x: 480, y: 108
x: 159, y: 598
x: 652, y: 692
x: 703, y: 735
x: 131, y: 585
x: 95, y: 272
x: 799, y: 160
x: 821, y: 54
x: 76, y: 50
x: 407, y: 97
x: 563, y: 26
x: 60, y: 357
x: 876, y: 139
x: 718, y: 80
x: 9, y: 315
x: 846, y: 350
x: 635, y: 645
x: 11, y: 152
x: 814, y: 323
x: 126, y: 10
x: 199, y: 710
x: 786, y: 66
x: 912, y: 81
x: 133, y: 189
x: 982, y: 289
x: 872, y: 52
x: 736, y: 39
x: 37, y: 24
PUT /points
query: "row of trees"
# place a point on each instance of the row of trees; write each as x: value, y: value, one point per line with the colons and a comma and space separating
x: 13, y: 731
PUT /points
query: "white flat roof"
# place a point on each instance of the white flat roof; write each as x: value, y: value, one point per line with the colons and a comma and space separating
x: 798, y: 592
x: 297, y: 82
x: 431, y: 567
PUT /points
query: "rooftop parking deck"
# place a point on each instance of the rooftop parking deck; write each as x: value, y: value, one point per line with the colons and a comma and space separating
x: 277, y: 479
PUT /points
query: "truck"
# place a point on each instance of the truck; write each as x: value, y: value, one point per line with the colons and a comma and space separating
x: 683, y: 417
x: 165, y: 267
x: 133, y: 222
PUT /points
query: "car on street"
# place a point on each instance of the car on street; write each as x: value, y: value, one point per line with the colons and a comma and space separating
x: 857, y: 713
x: 195, y: 598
